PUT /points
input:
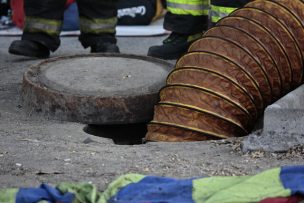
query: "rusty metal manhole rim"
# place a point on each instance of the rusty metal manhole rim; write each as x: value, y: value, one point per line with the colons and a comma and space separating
x: 34, y: 70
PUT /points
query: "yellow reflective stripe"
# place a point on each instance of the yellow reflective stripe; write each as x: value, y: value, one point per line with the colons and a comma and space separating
x: 187, y: 12
x: 179, y: 11
x: 215, y: 19
x: 222, y: 10
x: 182, y: 7
x: 194, y: 37
x: 97, y: 26
x: 34, y: 24
x: 218, y: 12
x: 188, y: 6
x: 191, y: 2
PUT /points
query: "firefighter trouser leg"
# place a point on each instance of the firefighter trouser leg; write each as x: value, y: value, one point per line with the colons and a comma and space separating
x: 97, y: 21
x: 187, y: 16
x: 222, y: 8
x: 43, y: 21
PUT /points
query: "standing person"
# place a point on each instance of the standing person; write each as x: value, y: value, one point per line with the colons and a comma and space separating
x: 43, y: 24
x: 187, y: 20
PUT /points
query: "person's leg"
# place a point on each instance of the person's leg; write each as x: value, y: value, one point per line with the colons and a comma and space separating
x: 187, y: 17
x: 98, y: 19
x: 42, y: 27
x: 222, y: 8
x: 186, y: 20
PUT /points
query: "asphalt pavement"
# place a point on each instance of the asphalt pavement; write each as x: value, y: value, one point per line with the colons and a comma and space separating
x: 35, y: 149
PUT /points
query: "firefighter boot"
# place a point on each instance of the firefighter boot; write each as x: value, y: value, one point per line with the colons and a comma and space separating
x: 173, y: 47
x: 104, y: 47
x: 29, y: 48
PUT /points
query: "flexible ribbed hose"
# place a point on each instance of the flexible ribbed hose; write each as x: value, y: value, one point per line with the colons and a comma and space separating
x: 223, y: 84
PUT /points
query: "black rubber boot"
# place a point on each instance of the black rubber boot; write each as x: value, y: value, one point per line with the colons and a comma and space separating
x: 104, y: 47
x: 173, y: 47
x: 29, y: 48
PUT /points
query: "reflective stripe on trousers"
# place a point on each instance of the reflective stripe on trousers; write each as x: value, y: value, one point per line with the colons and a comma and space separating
x: 97, y: 26
x: 35, y: 24
x: 186, y: 7
x: 218, y: 12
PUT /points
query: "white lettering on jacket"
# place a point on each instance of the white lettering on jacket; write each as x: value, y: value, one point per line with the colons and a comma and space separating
x: 132, y: 12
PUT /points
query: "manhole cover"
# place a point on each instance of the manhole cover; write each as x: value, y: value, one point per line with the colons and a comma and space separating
x: 95, y: 89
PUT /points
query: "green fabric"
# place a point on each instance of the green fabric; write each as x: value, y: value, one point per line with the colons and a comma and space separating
x: 97, y: 26
x: 239, y: 189
x: 87, y: 193
x: 34, y: 24
x: 205, y: 188
x: 119, y: 183
x: 8, y: 195
x: 84, y: 192
x: 185, y: 7
x: 219, y: 12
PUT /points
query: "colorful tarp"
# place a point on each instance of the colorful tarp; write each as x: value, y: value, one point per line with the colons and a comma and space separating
x: 284, y: 184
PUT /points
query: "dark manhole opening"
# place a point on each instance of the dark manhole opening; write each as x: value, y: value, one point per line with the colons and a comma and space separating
x: 128, y: 134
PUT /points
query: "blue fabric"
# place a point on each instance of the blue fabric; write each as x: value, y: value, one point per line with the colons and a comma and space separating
x: 292, y: 177
x: 44, y: 192
x: 153, y: 189
x: 71, y: 18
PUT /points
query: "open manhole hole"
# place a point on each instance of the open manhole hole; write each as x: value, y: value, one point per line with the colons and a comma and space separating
x: 114, y: 94
x: 128, y: 134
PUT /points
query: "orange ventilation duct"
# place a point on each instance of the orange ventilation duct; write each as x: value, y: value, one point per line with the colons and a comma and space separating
x: 223, y: 84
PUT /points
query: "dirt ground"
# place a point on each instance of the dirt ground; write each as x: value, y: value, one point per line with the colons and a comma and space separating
x: 34, y: 149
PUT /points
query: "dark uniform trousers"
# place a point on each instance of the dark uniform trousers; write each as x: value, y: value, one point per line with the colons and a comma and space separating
x: 44, y: 18
x: 186, y: 16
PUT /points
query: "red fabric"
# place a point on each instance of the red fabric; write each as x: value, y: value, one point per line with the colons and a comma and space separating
x: 18, y: 12
x: 292, y: 199
x: 70, y: 2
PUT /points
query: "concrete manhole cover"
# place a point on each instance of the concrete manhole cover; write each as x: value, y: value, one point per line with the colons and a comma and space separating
x: 95, y: 89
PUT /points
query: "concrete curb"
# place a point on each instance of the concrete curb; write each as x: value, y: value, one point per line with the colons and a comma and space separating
x: 282, y: 125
